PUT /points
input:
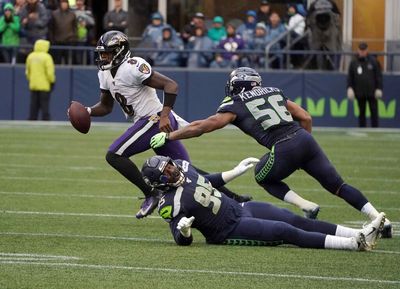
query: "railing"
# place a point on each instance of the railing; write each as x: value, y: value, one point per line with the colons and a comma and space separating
x: 339, y: 58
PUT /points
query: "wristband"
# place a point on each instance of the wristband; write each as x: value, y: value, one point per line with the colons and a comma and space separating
x: 169, y: 99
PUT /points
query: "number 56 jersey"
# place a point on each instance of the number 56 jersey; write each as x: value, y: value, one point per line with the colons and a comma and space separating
x: 261, y: 113
x: 216, y: 215
x: 126, y: 87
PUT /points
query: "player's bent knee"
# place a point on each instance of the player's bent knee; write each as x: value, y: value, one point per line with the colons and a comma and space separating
x: 111, y: 157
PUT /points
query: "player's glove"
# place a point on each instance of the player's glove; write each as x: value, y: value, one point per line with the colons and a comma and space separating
x: 378, y: 93
x: 184, y: 226
x: 245, y: 165
x: 159, y: 139
x: 350, y: 93
x: 240, y: 169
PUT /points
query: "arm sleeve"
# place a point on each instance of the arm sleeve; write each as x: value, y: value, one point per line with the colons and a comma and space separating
x: 216, y: 180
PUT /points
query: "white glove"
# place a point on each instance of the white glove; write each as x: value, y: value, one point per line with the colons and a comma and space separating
x: 378, y: 93
x: 245, y: 165
x: 240, y: 169
x: 350, y: 93
x: 184, y: 226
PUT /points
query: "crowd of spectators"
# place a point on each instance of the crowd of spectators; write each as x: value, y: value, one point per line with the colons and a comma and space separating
x: 203, y: 42
x: 225, y: 44
x: 62, y: 22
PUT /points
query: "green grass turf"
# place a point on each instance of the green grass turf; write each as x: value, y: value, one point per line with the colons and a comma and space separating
x: 71, y: 216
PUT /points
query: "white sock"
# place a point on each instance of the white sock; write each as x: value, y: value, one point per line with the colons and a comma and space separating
x: 293, y: 198
x: 346, y: 231
x: 340, y: 243
x: 370, y: 211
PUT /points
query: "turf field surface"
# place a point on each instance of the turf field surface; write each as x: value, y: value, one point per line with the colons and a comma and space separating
x: 67, y: 218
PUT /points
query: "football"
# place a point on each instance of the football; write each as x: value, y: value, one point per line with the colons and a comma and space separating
x: 79, y: 117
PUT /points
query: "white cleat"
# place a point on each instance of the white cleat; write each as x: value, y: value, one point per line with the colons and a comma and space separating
x: 371, y: 232
x: 361, y: 243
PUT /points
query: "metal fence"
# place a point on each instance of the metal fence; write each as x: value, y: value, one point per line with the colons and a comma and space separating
x: 310, y: 59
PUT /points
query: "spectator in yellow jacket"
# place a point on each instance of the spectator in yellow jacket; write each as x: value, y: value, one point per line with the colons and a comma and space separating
x: 41, y: 77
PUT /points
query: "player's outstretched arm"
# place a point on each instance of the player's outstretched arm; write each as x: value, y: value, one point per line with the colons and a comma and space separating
x: 220, y: 179
x: 104, y: 106
x: 300, y: 114
x: 194, y: 129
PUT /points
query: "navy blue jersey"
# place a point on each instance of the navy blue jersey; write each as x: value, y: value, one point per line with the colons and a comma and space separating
x: 215, y: 214
x: 261, y: 113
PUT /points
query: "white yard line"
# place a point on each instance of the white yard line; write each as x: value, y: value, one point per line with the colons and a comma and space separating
x: 67, y: 195
x: 58, y: 179
x: 72, y: 214
x: 37, y: 256
x: 62, y: 235
x: 194, y: 271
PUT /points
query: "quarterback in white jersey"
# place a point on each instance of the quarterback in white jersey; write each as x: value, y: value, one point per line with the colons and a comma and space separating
x: 132, y: 83
x: 126, y: 87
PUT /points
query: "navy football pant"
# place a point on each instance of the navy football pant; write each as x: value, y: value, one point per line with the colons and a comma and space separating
x: 300, y: 151
x: 270, y: 225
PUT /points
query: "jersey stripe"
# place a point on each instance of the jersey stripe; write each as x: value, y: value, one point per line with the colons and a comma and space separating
x: 134, y: 137
x: 177, y: 201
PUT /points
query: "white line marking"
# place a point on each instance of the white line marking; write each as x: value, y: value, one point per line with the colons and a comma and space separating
x: 386, y: 252
x: 72, y: 214
x: 74, y: 180
x: 136, y: 239
x: 67, y: 195
x: 193, y: 271
x: 3, y: 254
x: 57, y: 179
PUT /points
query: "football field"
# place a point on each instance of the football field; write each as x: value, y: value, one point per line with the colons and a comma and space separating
x: 67, y: 217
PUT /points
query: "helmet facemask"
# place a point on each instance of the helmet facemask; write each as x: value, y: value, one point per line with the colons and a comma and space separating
x: 242, y: 79
x: 154, y: 173
x: 113, y: 43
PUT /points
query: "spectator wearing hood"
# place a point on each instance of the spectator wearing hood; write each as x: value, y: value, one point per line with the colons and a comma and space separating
x: 153, y: 31
x: 199, y: 42
x: 169, y: 42
x: 246, y: 30
x: 9, y: 30
x: 258, y: 43
x: 40, y: 73
x: 218, y: 31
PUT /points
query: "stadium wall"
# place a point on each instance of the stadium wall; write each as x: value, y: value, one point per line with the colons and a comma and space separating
x: 323, y: 94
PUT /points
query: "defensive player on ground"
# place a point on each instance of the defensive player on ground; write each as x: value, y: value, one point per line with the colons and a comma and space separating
x: 190, y: 200
x: 284, y: 128
x: 132, y: 83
